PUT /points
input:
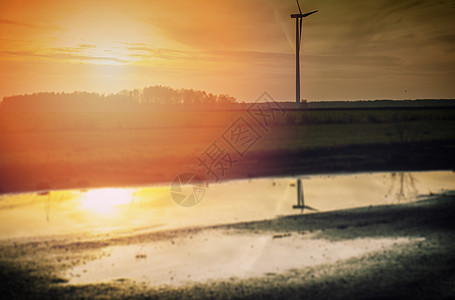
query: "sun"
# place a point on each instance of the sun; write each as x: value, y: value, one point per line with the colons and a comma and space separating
x: 105, y: 201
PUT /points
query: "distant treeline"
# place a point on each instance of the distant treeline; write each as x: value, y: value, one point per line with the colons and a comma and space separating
x: 146, y: 98
x: 166, y: 98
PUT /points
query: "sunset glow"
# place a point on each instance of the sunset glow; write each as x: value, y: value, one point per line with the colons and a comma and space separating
x: 351, y: 50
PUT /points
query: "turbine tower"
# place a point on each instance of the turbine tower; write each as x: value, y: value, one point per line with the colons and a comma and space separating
x: 298, y: 37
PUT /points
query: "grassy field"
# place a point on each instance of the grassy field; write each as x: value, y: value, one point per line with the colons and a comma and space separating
x: 62, y: 150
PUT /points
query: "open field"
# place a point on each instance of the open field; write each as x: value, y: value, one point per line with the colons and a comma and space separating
x: 62, y: 150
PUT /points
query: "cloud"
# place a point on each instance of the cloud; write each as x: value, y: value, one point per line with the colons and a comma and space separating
x: 228, y: 58
x: 62, y: 54
x: 217, y: 25
x: 90, y: 46
x: 9, y: 22
x: 29, y: 25
x: 354, y: 26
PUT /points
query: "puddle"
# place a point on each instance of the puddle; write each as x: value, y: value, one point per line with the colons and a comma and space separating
x: 151, y: 208
x: 212, y: 254
x: 217, y: 256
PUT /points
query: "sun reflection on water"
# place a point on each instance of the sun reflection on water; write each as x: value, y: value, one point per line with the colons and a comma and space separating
x: 151, y: 208
x: 106, y: 201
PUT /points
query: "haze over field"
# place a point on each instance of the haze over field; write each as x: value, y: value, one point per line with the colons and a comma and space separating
x: 351, y: 49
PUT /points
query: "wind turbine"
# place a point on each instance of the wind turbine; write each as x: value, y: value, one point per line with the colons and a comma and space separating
x: 298, y: 37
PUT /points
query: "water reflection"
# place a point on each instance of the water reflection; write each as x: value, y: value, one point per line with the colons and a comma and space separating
x: 402, y: 187
x: 106, y: 201
x: 151, y: 208
x: 301, y: 198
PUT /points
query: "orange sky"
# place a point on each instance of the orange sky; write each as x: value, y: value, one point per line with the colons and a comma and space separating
x: 353, y: 49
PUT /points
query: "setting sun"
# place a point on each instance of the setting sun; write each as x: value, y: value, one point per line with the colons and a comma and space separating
x: 105, y: 201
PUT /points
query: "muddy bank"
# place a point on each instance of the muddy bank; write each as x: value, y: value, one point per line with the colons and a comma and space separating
x: 422, y: 267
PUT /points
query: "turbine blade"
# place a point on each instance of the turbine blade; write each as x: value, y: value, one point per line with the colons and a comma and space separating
x: 309, y: 13
x: 298, y: 6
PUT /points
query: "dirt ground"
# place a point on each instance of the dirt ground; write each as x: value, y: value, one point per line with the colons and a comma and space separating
x: 36, y: 268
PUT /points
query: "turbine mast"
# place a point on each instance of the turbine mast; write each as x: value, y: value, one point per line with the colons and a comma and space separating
x: 298, y: 37
x: 297, y: 64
